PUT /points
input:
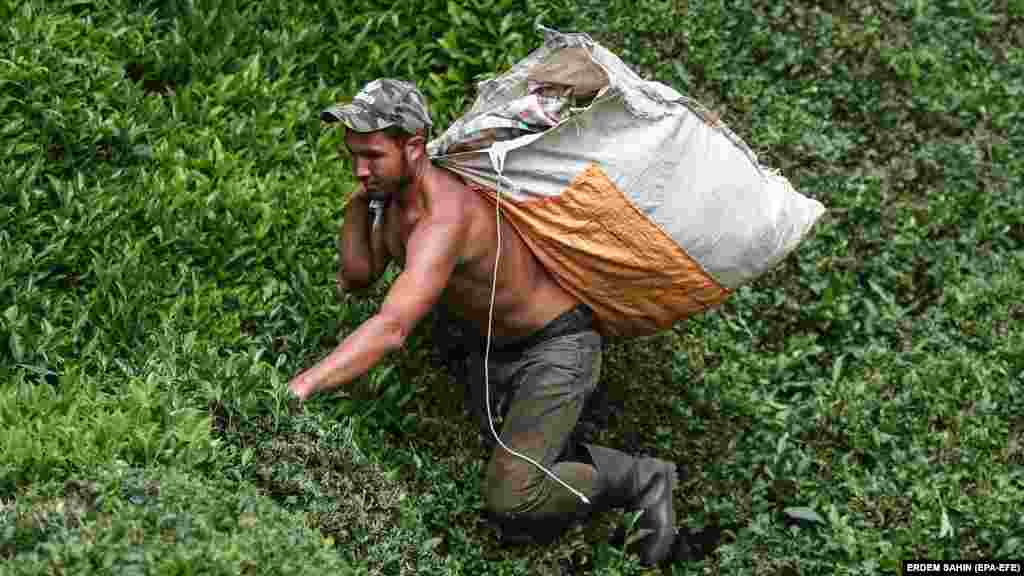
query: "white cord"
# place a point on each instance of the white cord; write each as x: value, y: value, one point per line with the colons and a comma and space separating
x: 487, y: 355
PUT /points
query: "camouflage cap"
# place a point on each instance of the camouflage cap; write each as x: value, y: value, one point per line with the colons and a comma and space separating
x: 383, y: 103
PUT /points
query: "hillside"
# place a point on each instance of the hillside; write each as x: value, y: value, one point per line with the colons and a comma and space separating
x: 168, y: 207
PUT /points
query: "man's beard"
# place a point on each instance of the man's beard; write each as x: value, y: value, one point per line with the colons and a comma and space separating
x: 384, y: 189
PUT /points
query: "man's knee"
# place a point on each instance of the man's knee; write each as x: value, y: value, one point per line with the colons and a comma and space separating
x: 512, y: 486
x: 514, y: 497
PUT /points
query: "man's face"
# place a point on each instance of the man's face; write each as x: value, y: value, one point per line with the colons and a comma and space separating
x: 379, y: 163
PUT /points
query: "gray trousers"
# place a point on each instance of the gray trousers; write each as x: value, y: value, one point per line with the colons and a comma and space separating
x: 538, y: 387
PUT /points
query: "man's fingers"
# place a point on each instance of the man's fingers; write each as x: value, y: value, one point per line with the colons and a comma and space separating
x: 295, y: 404
x: 297, y: 390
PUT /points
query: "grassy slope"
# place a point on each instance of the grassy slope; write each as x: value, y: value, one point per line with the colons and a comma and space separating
x: 168, y: 207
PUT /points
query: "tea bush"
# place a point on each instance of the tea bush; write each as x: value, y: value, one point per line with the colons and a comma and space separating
x: 157, y: 520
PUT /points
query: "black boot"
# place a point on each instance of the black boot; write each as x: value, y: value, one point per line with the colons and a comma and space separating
x: 640, y: 484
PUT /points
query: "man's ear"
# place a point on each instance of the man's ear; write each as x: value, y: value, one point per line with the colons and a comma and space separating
x: 415, y: 148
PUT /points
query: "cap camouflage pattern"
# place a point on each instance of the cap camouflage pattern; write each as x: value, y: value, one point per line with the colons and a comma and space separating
x: 383, y: 103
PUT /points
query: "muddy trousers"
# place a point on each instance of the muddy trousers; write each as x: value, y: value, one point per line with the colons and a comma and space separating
x: 538, y: 388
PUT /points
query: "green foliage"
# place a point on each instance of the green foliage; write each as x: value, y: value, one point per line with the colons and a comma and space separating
x: 317, y: 467
x: 156, y: 521
x: 168, y: 205
x: 443, y: 45
x: 51, y: 430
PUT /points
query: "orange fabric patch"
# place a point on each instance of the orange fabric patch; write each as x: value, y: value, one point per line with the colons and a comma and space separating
x: 608, y: 254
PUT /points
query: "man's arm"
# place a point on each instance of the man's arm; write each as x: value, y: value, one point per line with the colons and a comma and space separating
x: 430, y: 259
x: 361, y: 251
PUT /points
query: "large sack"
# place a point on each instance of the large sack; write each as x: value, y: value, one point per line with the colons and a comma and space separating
x: 636, y: 199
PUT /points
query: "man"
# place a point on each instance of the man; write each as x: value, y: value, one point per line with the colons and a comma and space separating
x: 544, y: 352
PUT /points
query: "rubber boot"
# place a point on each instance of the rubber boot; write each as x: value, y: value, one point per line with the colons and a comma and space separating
x: 639, y: 484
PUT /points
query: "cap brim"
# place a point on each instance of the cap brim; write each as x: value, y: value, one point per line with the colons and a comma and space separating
x: 348, y: 114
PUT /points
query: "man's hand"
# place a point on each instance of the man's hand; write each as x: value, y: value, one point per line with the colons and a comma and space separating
x: 301, y: 386
x: 358, y: 194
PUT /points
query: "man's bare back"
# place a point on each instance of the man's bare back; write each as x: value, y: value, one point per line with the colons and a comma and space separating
x: 526, y: 296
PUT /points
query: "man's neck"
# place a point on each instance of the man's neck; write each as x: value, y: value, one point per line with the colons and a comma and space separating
x: 414, y: 195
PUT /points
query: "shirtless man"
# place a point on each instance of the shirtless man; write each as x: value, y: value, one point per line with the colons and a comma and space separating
x: 545, y: 353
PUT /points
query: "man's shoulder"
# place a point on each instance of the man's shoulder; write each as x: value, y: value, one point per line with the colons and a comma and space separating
x: 449, y: 180
x: 449, y: 196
